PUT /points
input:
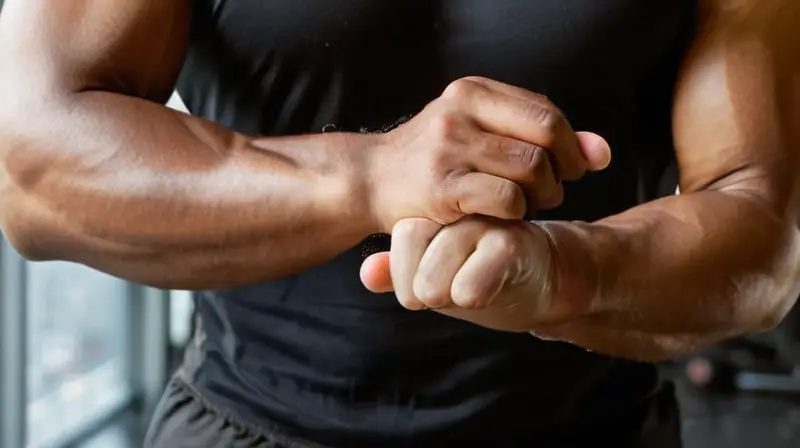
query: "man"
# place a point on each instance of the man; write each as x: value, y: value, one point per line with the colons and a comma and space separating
x: 250, y: 202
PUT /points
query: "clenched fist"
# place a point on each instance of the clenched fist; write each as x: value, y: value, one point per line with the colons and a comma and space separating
x: 495, y: 273
x: 482, y: 147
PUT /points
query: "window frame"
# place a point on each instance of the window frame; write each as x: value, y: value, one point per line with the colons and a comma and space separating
x: 13, y: 345
x: 146, y: 356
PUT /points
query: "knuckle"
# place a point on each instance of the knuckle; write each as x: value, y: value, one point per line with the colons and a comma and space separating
x: 529, y: 158
x: 509, y: 195
x: 541, y: 97
x: 503, y: 242
x: 475, y: 79
x: 445, y: 200
x: 446, y: 211
x: 410, y: 303
x: 412, y: 230
x: 547, y: 118
x: 406, y: 229
x: 460, y: 88
x: 431, y: 296
x: 468, y: 296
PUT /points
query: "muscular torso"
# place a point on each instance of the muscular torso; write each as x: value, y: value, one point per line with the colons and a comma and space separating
x: 316, y: 354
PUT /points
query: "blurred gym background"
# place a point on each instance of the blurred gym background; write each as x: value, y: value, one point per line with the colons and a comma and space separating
x: 84, y: 357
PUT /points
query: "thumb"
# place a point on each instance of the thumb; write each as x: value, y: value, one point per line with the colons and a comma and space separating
x: 375, y: 273
x: 595, y: 149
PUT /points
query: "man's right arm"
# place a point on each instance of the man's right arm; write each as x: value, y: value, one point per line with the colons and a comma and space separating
x: 96, y: 170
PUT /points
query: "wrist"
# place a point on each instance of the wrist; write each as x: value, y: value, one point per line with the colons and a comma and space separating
x: 376, y: 175
x: 576, y: 269
x: 356, y: 185
x: 332, y: 169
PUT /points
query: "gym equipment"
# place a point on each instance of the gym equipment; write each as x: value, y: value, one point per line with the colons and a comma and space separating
x: 763, y: 363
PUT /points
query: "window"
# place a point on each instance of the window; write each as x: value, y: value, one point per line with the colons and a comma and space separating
x: 77, y: 349
x: 180, y: 318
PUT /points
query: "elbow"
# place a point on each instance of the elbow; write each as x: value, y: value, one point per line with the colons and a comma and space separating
x: 21, y: 225
x: 656, y: 349
x: 783, y: 287
x: 766, y: 293
x: 28, y: 227
x: 21, y: 232
x: 25, y: 244
x: 23, y: 222
x: 26, y: 248
x: 776, y: 314
x: 665, y: 348
x: 765, y: 313
x: 785, y: 292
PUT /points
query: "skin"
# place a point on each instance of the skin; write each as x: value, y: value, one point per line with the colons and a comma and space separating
x: 667, y: 277
x: 97, y: 171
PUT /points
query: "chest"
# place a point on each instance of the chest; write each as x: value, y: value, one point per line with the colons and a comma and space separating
x: 277, y: 67
x: 538, y: 44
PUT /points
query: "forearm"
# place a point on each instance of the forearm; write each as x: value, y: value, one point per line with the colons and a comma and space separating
x: 601, y: 334
x: 156, y: 196
x: 708, y: 263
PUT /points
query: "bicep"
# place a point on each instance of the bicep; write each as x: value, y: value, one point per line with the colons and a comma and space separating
x: 133, y: 47
x: 738, y: 100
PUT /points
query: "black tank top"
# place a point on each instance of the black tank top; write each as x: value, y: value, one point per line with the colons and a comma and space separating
x: 318, y: 356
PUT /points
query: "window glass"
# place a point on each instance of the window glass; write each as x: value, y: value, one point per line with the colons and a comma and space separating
x: 77, y: 348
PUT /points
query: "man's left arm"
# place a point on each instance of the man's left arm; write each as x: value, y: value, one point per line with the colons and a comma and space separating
x: 723, y: 258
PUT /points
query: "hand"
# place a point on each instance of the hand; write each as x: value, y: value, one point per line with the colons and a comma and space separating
x: 483, y: 147
x: 494, y: 273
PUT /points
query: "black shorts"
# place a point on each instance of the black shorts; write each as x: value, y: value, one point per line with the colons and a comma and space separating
x: 185, y: 419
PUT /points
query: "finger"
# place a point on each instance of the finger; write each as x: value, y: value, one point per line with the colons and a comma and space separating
x: 484, y: 194
x: 595, y: 149
x: 547, y: 202
x: 410, y: 238
x: 524, y: 163
x: 513, y: 112
x: 484, y: 273
x: 376, y: 274
x: 441, y: 261
x: 524, y: 115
